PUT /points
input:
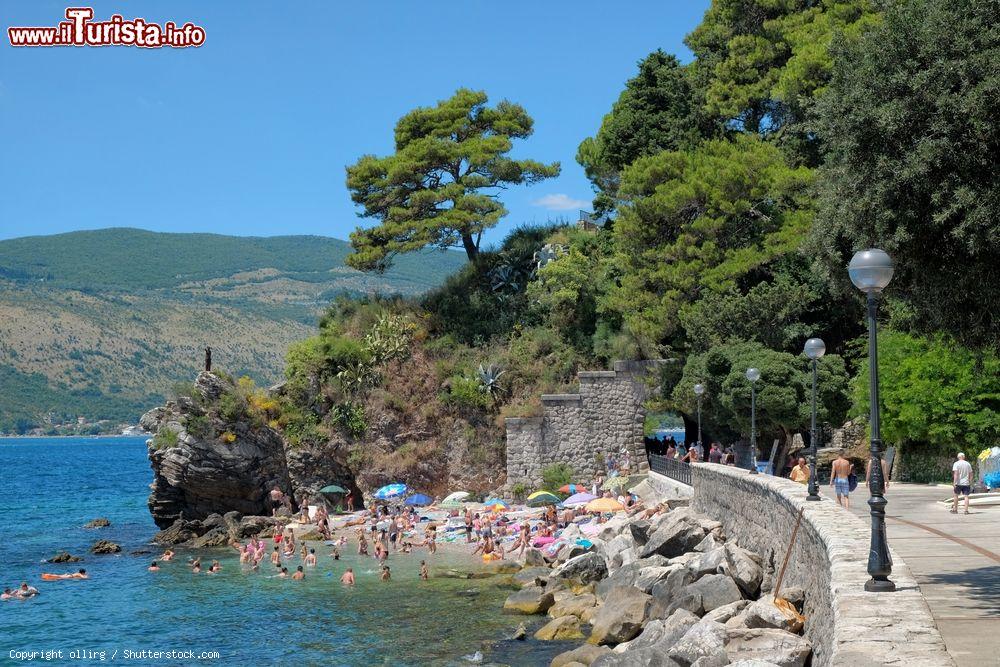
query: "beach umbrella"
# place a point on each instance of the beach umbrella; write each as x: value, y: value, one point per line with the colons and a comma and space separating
x: 333, y: 488
x: 579, y: 499
x: 572, y: 488
x: 539, y: 498
x: 496, y: 505
x: 615, y: 482
x: 451, y: 504
x: 390, y: 491
x: 419, y: 500
x: 604, y: 505
x: 457, y: 496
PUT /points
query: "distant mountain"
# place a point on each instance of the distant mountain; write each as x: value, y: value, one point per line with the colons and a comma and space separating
x: 99, y: 324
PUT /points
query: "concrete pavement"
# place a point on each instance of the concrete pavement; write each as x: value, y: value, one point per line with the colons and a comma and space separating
x: 956, y: 560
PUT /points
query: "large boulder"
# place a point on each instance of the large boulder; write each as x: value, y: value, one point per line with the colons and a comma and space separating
x: 661, y: 633
x: 708, y: 562
x: 529, y: 600
x: 252, y: 526
x: 178, y: 532
x: 705, y: 639
x: 105, y: 547
x: 715, y: 590
x: 778, y: 647
x: 745, y: 569
x: 763, y: 614
x: 99, y: 522
x: 64, y: 557
x: 667, y: 592
x: 585, y: 655
x: 650, y: 656
x: 573, y: 605
x: 563, y: 627
x: 673, y: 537
x: 651, y: 575
x: 727, y: 611
x: 586, y: 568
x: 640, y: 532
x: 621, y: 616
x: 534, y: 558
x: 532, y: 576
x: 626, y: 575
x: 216, y: 537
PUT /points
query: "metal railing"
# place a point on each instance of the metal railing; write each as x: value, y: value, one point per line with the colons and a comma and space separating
x: 672, y: 468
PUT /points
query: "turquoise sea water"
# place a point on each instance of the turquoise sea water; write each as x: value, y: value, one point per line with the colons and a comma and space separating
x: 49, y: 488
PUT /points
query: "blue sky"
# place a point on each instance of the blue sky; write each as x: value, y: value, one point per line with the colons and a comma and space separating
x: 249, y: 134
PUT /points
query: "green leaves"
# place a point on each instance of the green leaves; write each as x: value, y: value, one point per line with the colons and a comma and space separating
x: 430, y: 191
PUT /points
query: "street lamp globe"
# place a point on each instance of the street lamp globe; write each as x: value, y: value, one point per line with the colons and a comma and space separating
x: 753, y: 374
x: 699, y: 389
x: 814, y: 348
x: 870, y: 270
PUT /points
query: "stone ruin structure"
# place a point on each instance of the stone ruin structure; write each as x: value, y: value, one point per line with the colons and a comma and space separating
x: 582, y: 430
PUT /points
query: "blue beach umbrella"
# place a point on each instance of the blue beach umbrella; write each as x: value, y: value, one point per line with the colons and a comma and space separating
x: 419, y: 500
x: 390, y: 491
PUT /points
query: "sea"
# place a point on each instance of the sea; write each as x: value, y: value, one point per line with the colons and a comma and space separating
x: 51, y: 487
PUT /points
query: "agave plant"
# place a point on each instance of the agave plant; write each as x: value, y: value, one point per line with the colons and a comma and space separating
x: 489, y: 380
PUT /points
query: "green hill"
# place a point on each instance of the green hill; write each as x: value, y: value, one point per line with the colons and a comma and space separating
x: 97, y: 324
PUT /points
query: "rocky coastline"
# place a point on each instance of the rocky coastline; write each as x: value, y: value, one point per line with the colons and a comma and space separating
x: 669, y: 591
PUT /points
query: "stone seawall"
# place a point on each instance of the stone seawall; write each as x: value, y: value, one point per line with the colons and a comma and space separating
x: 846, y: 624
x: 603, y: 419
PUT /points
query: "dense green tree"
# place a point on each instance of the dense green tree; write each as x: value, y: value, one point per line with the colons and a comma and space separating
x: 783, y: 391
x: 440, y: 186
x: 932, y: 392
x: 698, y: 221
x: 910, y: 125
x: 658, y: 111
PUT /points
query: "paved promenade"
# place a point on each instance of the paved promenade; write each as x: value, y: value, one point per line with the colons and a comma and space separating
x: 956, y: 561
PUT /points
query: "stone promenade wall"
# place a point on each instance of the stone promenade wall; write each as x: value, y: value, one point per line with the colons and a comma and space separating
x: 846, y: 624
x: 605, y: 417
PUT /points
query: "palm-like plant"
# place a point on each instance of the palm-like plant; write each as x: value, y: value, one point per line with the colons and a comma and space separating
x: 489, y: 380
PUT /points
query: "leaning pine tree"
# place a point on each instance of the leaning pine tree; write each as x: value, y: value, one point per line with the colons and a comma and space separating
x: 440, y: 188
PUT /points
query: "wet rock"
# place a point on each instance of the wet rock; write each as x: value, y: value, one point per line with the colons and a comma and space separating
x: 563, y: 627
x: 100, y: 522
x: 216, y: 537
x: 64, y: 557
x: 529, y: 600
x: 774, y: 646
x: 586, y: 568
x: 716, y: 590
x: 621, y: 616
x: 584, y: 655
x: 521, y: 633
x: 140, y: 552
x: 704, y: 639
x: 573, y: 605
x: 105, y: 547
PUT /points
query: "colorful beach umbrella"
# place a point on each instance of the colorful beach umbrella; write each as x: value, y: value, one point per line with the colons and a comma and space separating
x: 457, y: 496
x: 390, y: 491
x: 496, y: 505
x: 572, y: 488
x: 579, y: 499
x: 333, y: 488
x: 615, y: 482
x: 418, y: 500
x: 539, y: 498
x: 604, y: 505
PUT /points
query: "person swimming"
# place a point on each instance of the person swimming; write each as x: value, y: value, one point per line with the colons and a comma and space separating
x: 275, y: 556
x: 386, y: 574
x: 167, y: 555
x: 8, y: 594
x: 299, y: 574
x: 310, y: 559
x: 25, y: 591
x: 348, y: 577
x: 283, y: 573
x: 196, y: 566
x: 216, y: 566
x: 153, y: 567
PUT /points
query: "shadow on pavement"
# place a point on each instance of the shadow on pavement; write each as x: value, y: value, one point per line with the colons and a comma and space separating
x: 981, y: 585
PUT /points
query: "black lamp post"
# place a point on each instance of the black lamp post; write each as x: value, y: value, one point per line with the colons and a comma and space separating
x: 753, y: 375
x: 870, y: 271
x: 814, y: 349
x: 699, y: 390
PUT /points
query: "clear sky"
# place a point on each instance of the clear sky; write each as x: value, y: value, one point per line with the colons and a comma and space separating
x: 249, y: 134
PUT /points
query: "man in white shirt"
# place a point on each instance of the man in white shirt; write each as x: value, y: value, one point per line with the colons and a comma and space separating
x: 961, y: 475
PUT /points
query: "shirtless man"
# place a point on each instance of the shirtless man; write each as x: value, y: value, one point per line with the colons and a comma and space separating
x: 299, y: 574
x: 311, y: 558
x: 348, y: 577
x: 8, y: 594
x: 26, y: 591
x: 842, y: 469
x: 154, y: 567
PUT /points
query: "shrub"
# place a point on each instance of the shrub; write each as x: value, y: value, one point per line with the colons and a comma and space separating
x: 165, y: 438
x: 520, y: 490
x: 199, y: 426
x: 466, y: 393
x: 350, y: 418
x: 228, y: 437
x: 556, y: 475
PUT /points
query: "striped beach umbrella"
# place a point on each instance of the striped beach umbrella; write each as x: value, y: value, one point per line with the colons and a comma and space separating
x: 390, y: 491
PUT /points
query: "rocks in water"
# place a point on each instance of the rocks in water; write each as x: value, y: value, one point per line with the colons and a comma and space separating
x: 586, y: 568
x: 705, y: 639
x: 563, y: 627
x: 64, y: 557
x: 777, y: 647
x: 621, y: 616
x: 573, y: 605
x: 216, y: 537
x: 532, y: 576
x: 140, y: 552
x: 521, y: 633
x: 529, y: 600
x: 587, y: 654
x: 105, y: 547
x: 99, y: 522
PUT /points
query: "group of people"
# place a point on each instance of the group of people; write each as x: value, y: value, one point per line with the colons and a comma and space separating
x: 22, y: 592
x: 696, y: 452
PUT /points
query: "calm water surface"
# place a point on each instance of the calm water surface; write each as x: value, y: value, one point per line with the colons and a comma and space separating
x: 49, y: 488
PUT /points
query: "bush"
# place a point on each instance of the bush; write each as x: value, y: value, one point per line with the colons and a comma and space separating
x: 519, y: 490
x: 233, y: 407
x: 165, y: 438
x: 199, y: 426
x: 350, y: 418
x: 555, y: 476
x: 466, y: 393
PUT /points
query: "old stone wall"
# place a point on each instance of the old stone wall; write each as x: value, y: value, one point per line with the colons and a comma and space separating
x: 603, y: 419
x: 846, y: 624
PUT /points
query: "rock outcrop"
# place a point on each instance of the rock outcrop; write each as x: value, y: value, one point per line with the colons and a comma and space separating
x: 208, y: 459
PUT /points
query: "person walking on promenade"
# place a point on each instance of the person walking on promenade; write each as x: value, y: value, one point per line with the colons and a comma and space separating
x: 715, y: 453
x: 840, y: 479
x: 961, y: 477
x: 800, y: 472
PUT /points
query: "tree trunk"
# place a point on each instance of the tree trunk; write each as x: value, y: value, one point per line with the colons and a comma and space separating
x: 471, y: 249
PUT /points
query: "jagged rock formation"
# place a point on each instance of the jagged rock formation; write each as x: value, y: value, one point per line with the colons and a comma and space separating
x: 203, y: 465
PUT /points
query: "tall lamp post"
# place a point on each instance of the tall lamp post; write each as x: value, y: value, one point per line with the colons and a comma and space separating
x: 753, y: 375
x: 870, y: 271
x: 699, y: 391
x: 814, y: 349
